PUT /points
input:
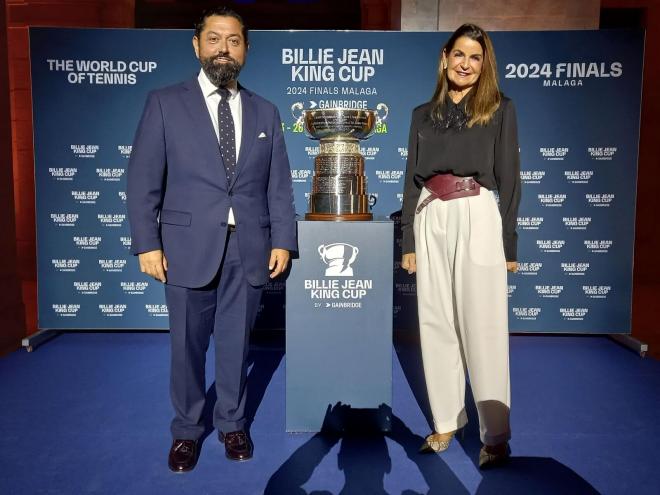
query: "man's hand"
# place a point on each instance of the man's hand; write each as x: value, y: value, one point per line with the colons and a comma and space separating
x: 279, y: 259
x: 512, y: 266
x: 409, y: 262
x: 154, y: 264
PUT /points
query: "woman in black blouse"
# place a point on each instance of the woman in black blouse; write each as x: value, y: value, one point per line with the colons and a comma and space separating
x: 463, y: 148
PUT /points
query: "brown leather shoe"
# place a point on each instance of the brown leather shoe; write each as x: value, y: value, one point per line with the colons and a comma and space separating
x: 238, y: 446
x: 183, y: 455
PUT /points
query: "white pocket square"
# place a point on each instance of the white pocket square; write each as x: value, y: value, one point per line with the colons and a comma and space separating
x: 262, y: 135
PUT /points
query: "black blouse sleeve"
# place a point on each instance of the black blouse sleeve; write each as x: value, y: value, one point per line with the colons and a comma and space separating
x: 410, y: 190
x: 507, y: 177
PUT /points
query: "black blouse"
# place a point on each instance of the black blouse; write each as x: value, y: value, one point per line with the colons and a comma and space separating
x: 488, y: 153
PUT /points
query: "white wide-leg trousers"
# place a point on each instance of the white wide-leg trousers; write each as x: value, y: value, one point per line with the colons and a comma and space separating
x: 463, y: 315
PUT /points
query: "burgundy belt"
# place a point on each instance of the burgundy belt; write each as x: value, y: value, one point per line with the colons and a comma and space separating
x: 449, y: 186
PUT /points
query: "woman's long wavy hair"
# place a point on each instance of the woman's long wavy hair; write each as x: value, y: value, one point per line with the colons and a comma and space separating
x: 484, y: 97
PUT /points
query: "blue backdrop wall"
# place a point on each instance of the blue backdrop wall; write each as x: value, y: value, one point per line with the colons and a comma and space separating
x: 577, y: 95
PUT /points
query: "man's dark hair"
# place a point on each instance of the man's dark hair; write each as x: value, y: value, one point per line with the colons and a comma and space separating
x: 224, y: 12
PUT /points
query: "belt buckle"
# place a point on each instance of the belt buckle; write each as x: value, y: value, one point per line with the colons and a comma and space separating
x: 466, y: 184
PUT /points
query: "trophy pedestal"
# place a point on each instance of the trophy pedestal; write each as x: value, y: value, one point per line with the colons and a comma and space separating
x: 339, y: 326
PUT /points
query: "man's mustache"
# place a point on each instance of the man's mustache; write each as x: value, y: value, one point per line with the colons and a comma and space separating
x: 225, y: 57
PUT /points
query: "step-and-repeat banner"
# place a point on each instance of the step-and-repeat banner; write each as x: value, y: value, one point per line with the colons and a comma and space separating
x: 577, y: 95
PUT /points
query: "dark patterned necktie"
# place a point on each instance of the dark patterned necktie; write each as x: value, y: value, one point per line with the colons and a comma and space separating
x: 227, y: 135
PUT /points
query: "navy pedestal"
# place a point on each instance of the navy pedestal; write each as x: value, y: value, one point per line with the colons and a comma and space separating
x: 339, y: 325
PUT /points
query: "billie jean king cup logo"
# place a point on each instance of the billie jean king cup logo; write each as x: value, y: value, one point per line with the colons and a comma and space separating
x: 339, y: 257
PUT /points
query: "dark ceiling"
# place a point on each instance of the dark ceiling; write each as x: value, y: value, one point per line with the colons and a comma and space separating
x: 258, y: 14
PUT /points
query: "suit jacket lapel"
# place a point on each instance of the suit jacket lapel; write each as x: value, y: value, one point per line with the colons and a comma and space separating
x: 199, y: 114
x: 248, y: 130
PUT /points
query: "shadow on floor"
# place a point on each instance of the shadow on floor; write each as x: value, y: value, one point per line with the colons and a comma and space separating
x: 523, y: 475
x: 363, y: 458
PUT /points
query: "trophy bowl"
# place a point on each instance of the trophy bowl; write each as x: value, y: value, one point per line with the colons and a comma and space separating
x: 338, y: 123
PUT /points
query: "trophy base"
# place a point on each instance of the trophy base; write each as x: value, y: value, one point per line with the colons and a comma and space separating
x: 331, y: 217
x: 338, y: 204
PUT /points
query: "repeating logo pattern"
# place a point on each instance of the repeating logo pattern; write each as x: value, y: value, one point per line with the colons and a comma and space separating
x: 575, y: 222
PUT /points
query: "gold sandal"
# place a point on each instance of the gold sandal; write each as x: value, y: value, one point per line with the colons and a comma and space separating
x: 437, y: 442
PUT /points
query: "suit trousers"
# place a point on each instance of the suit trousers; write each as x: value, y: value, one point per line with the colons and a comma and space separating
x: 463, y: 312
x: 226, y: 308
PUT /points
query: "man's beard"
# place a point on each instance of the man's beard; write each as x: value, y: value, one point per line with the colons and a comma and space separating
x: 221, y: 73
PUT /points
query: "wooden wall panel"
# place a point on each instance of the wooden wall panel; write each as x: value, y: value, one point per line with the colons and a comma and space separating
x: 381, y: 15
x: 499, y: 15
x: 646, y: 274
x: 12, y: 312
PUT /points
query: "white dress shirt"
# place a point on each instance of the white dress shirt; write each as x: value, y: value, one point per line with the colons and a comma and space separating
x: 212, y: 98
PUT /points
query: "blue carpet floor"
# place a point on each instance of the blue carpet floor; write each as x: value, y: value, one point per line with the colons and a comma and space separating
x: 88, y: 413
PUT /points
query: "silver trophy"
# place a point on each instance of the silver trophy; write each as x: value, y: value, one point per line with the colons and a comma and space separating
x: 339, y: 186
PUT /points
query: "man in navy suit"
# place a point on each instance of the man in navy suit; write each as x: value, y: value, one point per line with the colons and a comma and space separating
x: 210, y: 204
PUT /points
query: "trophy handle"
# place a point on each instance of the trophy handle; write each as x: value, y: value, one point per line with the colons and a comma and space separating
x: 379, y: 108
x: 297, y: 110
x: 322, y: 252
x: 355, y: 253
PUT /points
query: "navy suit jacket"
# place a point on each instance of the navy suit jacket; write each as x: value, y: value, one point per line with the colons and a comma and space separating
x: 178, y: 196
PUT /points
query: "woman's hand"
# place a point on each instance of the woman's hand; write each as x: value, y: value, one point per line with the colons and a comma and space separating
x: 512, y: 266
x: 409, y: 262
